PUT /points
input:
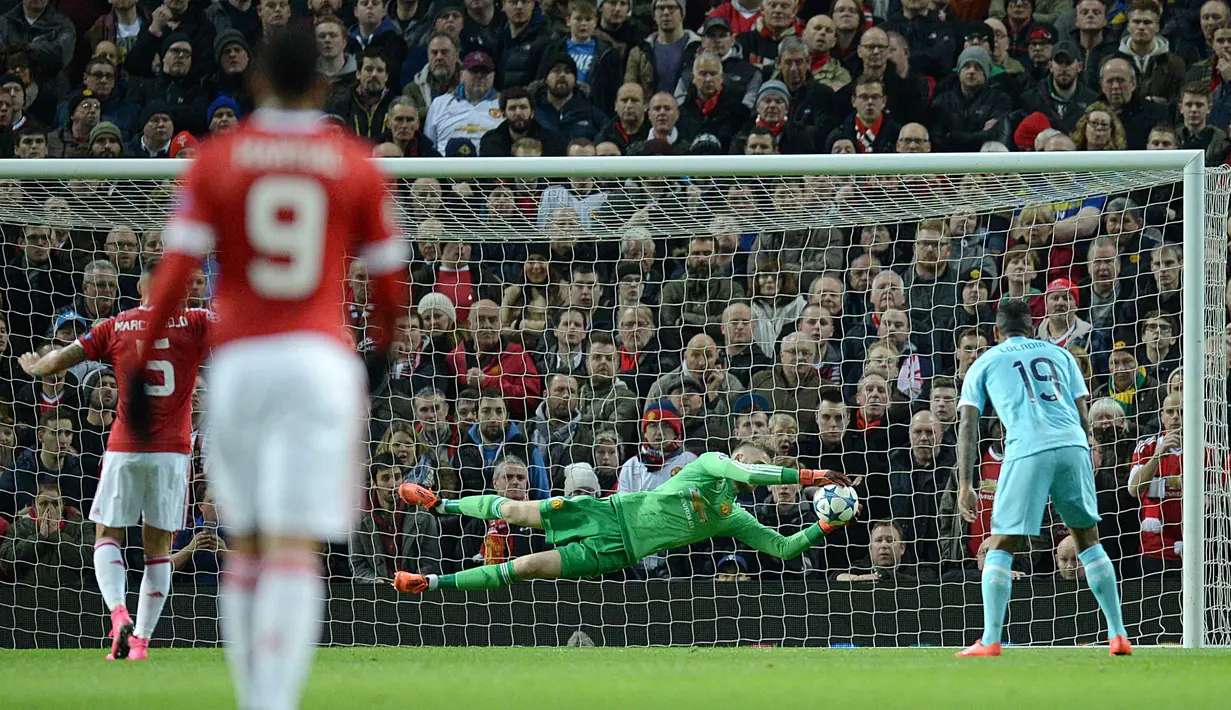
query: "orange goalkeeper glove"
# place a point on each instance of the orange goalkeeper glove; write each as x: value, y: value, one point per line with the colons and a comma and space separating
x: 822, y: 477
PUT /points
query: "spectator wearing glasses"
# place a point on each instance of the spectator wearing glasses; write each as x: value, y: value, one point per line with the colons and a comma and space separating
x: 868, y: 128
x: 99, y: 79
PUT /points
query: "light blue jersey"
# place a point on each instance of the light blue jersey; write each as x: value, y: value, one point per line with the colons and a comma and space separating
x: 1032, y: 384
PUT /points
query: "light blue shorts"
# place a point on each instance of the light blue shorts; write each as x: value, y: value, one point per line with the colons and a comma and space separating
x: 1064, y: 474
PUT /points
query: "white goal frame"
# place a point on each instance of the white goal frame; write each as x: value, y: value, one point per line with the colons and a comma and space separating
x: 1190, y: 162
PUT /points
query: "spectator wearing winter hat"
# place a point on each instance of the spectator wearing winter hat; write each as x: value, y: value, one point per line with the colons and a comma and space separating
x: 1061, y: 324
x: 661, y: 454
x: 1061, y: 95
x: 73, y: 140
x: 183, y: 145
x: 559, y: 106
x: 105, y: 141
x: 177, y: 85
x: 750, y: 416
x: 973, y: 113
x: 1029, y: 129
x: 580, y: 480
x: 234, y: 58
x: 223, y: 115
x: 773, y: 110
x: 156, y: 127
x: 469, y: 111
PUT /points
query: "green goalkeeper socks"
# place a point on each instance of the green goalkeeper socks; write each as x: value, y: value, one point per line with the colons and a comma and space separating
x: 486, y: 577
x: 485, y: 507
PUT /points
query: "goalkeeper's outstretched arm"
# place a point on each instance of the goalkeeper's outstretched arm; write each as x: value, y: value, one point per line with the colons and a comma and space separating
x: 770, y: 541
x: 762, y: 474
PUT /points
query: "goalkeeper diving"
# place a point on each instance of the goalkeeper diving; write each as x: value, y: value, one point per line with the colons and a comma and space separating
x: 594, y: 536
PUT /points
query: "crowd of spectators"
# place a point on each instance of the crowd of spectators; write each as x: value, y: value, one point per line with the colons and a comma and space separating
x: 648, y: 320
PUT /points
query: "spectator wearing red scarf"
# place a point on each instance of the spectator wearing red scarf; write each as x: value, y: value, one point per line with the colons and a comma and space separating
x: 773, y: 104
x: 778, y: 21
x: 709, y: 107
x: 391, y: 536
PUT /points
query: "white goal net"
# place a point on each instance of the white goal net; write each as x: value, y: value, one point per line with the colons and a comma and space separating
x: 627, y: 315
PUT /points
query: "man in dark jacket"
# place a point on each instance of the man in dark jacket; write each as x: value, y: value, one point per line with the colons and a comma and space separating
x: 868, y: 127
x: 517, y: 105
x: 973, y: 114
x: 560, y: 108
x: 185, y: 17
x: 364, y: 108
x: 629, y: 125
x: 49, y: 35
x: 521, y: 46
x: 1118, y: 79
x: 773, y: 102
x: 177, y: 84
x: 710, y: 107
x: 493, y: 439
x: 1061, y: 95
x: 52, y: 460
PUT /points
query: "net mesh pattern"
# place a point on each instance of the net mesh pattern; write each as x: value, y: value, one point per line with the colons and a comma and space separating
x: 830, y: 318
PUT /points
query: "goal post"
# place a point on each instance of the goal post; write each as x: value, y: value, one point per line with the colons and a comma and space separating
x: 855, y: 191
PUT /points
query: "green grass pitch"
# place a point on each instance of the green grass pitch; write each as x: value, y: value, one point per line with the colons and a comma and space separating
x: 675, y: 678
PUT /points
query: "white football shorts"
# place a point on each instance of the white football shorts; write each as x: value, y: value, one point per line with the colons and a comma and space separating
x: 286, y: 415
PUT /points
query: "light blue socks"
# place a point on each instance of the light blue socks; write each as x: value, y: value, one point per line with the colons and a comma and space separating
x: 1101, y: 576
x: 997, y: 588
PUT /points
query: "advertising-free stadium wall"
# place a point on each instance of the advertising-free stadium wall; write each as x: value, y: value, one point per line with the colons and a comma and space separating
x: 1043, y: 612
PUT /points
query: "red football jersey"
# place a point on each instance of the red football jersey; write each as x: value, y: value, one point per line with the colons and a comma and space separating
x: 171, y: 371
x: 1162, y: 499
x: 284, y: 202
x: 985, y: 495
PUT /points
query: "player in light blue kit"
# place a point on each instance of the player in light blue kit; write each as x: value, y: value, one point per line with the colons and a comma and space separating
x: 1040, y: 396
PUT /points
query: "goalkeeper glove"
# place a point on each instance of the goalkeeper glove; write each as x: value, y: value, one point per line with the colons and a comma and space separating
x: 822, y: 477
x: 137, y: 408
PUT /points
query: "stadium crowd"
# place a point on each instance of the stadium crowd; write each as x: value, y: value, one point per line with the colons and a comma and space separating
x: 575, y: 365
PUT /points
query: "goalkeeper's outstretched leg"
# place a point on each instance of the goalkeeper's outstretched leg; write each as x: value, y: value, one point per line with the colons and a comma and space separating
x: 485, y: 507
x: 540, y: 565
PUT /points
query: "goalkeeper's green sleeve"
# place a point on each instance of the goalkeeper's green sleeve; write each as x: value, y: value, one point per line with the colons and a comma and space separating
x: 755, y: 474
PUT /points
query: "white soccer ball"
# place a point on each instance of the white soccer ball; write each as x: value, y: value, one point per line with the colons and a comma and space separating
x: 835, y: 504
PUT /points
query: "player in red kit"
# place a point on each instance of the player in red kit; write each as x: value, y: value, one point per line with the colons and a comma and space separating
x: 282, y: 203
x: 144, y: 478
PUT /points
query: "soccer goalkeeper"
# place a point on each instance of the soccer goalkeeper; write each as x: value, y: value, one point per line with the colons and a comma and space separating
x: 594, y: 536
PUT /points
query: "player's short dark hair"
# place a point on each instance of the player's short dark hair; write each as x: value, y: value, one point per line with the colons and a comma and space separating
x: 512, y: 94
x: 1014, y: 318
x: 289, y: 60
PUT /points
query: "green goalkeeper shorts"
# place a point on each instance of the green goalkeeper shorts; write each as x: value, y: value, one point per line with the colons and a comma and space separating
x: 586, y: 532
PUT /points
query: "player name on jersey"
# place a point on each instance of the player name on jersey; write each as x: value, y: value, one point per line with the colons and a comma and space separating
x: 263, y: 153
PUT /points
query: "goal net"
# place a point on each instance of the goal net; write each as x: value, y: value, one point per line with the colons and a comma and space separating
x: 590, y: 326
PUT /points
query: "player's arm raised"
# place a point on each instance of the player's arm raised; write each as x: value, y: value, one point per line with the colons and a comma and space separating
x: 766, y: 474
x: 54, y: 362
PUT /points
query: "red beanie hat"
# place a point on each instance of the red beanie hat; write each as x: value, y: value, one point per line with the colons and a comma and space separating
x: 1029, y: 129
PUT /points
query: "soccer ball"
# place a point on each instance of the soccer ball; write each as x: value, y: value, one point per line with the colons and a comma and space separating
x: 835, y: 504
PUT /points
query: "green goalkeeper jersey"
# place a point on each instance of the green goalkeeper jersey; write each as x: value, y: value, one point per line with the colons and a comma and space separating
x: 699, y: 503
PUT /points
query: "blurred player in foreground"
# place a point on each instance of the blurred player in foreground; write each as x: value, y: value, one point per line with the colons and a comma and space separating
x: 282, y: 202
x: 1039, y: 393
x: 144, y: 476
x: 594, y: 536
